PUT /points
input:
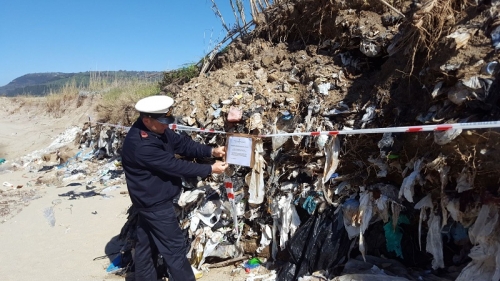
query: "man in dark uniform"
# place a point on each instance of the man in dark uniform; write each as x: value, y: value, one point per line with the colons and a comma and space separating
x: 153, y: 175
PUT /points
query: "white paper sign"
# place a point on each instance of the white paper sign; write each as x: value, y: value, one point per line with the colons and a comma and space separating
x: 239, y: 151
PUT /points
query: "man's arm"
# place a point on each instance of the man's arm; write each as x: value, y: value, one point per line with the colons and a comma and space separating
x: 154, y: 158
x: 186, y: 146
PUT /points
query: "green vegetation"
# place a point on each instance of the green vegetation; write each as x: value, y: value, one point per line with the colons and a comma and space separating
x: 180, y: 76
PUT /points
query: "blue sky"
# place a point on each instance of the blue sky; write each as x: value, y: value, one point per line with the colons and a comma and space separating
x: 97, y: 35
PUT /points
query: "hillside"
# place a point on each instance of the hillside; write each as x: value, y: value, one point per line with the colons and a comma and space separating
x: 40, y: 84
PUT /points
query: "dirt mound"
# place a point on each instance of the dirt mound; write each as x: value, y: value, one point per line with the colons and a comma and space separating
x: 309, y: 54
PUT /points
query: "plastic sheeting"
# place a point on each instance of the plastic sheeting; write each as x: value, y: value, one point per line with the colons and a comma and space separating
x: 444, y: 137
x: 332, y: 149
x: 409, y: 182
x: 394, y: 235
x: 365, y: 215
x: 287, y: 218
x: 434, y: 242
x: 485, y: 235
x: 350, y: 210
x: 373, y: 269
x: 256, y: 182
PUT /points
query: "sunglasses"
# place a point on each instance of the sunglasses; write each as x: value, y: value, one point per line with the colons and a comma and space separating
x: 164, y: 118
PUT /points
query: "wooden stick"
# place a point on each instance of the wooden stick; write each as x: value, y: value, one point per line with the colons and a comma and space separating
x: 225, y: 263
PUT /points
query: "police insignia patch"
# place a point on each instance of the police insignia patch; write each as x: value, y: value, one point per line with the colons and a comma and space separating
x: 144, y: 134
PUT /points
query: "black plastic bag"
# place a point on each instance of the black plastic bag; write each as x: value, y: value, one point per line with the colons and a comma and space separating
x: 321, y: 243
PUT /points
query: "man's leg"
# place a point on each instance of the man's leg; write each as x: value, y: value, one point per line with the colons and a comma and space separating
x: 143, y: 258
x: 171, y: 244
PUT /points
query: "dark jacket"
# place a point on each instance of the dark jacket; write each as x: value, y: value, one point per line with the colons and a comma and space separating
x: 151, y: 169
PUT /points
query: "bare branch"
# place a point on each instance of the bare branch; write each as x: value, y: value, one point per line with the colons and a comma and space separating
x: 241, y: 10
x: 237, y: 20
x: 217, y: 13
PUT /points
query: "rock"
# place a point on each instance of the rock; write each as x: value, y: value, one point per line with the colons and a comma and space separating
x: 273, y: 77
x: 267, y: 61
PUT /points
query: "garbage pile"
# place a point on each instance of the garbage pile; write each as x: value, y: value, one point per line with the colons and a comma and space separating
x: 326, y: 206
x: 387, y: 206
x: 312, y: 203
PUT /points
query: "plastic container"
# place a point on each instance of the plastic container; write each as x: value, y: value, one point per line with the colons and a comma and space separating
x: 251, y: 264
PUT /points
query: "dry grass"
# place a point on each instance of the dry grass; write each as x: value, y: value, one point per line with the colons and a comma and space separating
x: 114, y: 100
x: 117, y: 104
x: 57, y: 103
x: 23, y: 102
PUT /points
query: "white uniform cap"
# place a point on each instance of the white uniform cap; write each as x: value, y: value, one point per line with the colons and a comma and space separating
x: 154, y: 104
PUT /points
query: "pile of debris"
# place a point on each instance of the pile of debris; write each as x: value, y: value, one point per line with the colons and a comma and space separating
x: 311, y: 204
x: 428, y: 200
x: 368, y: 206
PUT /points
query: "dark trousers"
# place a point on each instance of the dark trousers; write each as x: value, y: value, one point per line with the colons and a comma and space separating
x: 159, y: 232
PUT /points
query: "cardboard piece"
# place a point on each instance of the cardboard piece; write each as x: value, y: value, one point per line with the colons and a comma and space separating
x: 240, y: 150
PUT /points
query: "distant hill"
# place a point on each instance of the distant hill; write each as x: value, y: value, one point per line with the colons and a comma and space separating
x: 40, y: 84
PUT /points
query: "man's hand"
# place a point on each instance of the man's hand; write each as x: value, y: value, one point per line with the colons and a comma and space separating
x: 218, y: 167
x: 219, y: 151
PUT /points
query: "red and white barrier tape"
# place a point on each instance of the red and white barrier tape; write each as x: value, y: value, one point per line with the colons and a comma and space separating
x: 230, y: 196
x: 172, y: 127
x: 403, y: 129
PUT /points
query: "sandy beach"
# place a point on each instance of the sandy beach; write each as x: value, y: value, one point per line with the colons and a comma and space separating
x: 32, y: 249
